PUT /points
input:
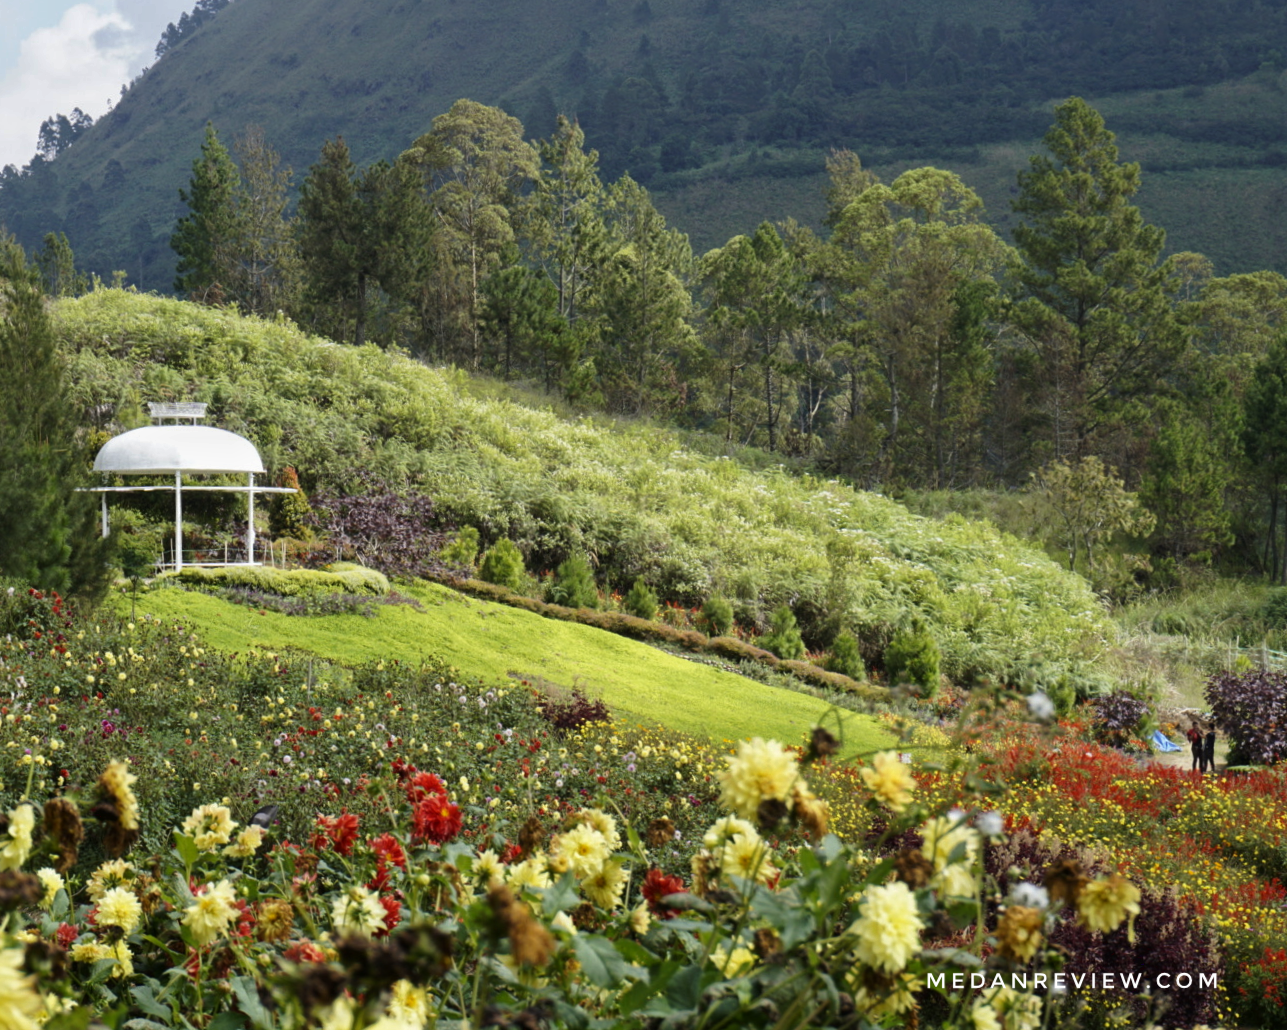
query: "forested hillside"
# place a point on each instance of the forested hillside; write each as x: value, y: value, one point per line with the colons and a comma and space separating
x: 726, y: 110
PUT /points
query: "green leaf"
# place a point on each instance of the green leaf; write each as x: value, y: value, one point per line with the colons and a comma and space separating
x: 600, y: 961
x: 963, y: 912
x: 227, y: 1021
x: 138, y: 1023
x: 248, y: 998
x: 77, y: 1019
x: 561, y: 897
x: 145, y: 999
x: 187, y: 849
x: 635, y: 952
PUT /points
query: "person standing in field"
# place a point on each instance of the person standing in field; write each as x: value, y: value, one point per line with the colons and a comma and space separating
x: 1208, y: 749
x: 1195, y: 743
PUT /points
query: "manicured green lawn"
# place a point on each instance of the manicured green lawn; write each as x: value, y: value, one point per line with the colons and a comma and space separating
x: 493, y: 641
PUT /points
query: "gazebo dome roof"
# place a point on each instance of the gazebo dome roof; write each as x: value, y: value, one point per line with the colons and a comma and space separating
x: 154, y: 450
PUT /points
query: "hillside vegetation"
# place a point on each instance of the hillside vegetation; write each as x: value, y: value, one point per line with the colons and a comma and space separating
x: 632, y: 496
x: 497, y: 644
x: 719, y: 107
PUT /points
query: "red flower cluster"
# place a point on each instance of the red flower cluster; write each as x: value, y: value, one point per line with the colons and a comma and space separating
x: 434, y: 818
x: 339, y: 832
x: 388, y: 851
x: 656, y: 886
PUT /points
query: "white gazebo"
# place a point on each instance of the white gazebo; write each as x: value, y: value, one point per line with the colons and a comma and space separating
x: 179, y: 449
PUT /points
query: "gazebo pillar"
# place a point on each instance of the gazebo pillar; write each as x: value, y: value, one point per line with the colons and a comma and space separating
x: 104, y: 496
x: 250, y: 521
x: 178, y: 520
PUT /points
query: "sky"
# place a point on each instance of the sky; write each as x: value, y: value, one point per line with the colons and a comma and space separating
x: 57, y: 54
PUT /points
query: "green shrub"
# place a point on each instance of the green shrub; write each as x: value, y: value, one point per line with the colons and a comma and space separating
x: 1275, y: 607
x: 463, y: 550
x: 290, y: 514
x: 913, y: 657
x: 573, y: 584
x: 343, y: 577
x: 846, y: 658
x: 783, y: 638
x: 640, y: 601
x: 503, y: 565
x: 716, y: 617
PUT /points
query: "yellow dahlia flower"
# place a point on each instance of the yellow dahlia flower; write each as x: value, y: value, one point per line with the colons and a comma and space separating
x: 247, y: 842
x: 733, y: 962
x: 409, y: 1005
x: 119, y: 907
x: 890, y: 780
x: 747, y: 857
x: 210, y: 826
x: 1104, y: 903
x: 942, y: 837
x: 22, y: 820
x: 604, y: 823
x: 641, y: 919
x: 888, y: 928
x: 20, y: 1004
x: 1019, y: 932
x: 762, y: 770
x: 357, y: 911
x: 118, y: 781
x: 52, y: 883
x: 606, y: 886
x: 108, y: 875
x: 529, y: 873
x: 584, y: 849
x: 210, y: 915
x: 726, y: 828
x: 488, y: 866
x: 90, y: 952
x: 894, y: 1000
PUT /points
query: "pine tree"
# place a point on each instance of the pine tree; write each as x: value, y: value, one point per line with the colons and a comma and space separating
x: 206, y: 237
x: 1094, y: 303
x: 50, y: 538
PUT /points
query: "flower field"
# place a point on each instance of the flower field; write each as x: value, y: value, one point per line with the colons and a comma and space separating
x: 238, y: 841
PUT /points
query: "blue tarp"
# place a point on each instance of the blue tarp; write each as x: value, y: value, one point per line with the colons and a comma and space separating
x: 1162, y: 743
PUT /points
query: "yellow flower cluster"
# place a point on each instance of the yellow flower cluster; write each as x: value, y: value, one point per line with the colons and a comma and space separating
x: 1104, y: 903
x: 888, y: 928
x: 213, y: 911
x: 890, y: 781
x: 22, y: 820
x: 210, y: 826
x: 761, y: 770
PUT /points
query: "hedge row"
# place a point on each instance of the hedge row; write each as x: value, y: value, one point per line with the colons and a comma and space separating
x: 343, y: 577
x: 643, y: 629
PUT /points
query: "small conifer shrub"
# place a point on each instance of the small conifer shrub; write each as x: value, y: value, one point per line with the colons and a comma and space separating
x: 716, y: 617
x: 463, y: 550
x: 641, y: 602
x: 845, y: 657
x: 913, y: 657
x: 290, y: 514
x: 503, y: 565
x: 783, y: 638
x: 573, y: 585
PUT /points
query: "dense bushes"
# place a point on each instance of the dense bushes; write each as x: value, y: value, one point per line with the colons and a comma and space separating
x: 1252, y: 709
x: 716, y: 617
x: 573, y: 585
x: 1119, y: 718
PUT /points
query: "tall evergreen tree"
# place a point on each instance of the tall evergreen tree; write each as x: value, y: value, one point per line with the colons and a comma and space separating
x: 265, y: 260
x: 50, y: 537
x: 205, y: 238
x: 1093, y: 297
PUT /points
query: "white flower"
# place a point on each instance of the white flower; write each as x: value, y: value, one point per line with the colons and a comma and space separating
x: 1041, y: 706
x: 1029, y: 895
x: 990, y: 824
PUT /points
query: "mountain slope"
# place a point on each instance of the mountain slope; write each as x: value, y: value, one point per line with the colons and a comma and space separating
x: 724, y: 108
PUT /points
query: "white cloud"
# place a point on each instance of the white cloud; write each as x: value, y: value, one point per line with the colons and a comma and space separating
x: 81, y: 62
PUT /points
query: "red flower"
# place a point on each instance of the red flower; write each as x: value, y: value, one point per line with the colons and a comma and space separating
x: 338, y: 831
x: 511, y: 854
x: 304, y: 951
x: 392, y: 914
x: 656, y: 886
x: 66, y: 935
x: 436, y: 819
x: 424, y: 784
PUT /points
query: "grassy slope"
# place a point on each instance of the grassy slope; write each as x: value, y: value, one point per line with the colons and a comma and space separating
x: 493, y: 642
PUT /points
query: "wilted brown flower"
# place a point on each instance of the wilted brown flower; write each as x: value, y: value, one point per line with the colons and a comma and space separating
x: 821, y: 745
x: 63, y: 825
x: 276, y: 919
x: 1065, y: 880
x: 768, y: 945
x: 1019, y: 933
x: 771, y: 812
x: 320, y: 986
x: 530, y: 943
x: 913, y: 868
x: 810, y: 811
x: 660, y: 831
x: 531, y: 836
x: 705, y: 869
x: 45, y: 959
x: 19, y: 890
